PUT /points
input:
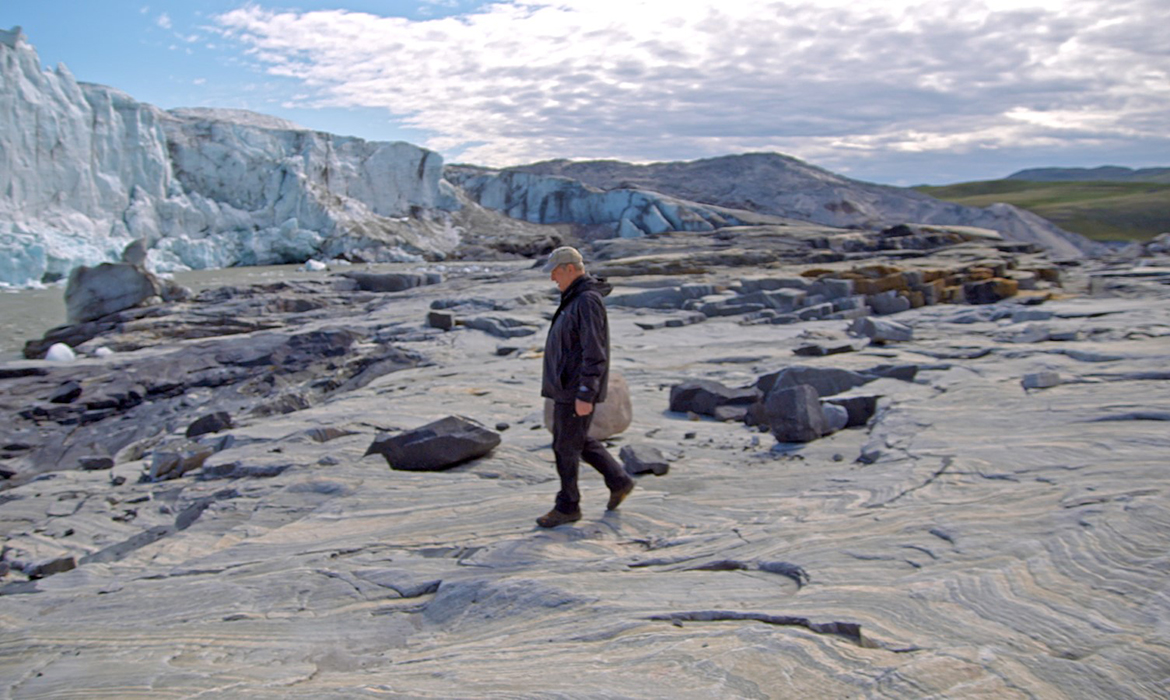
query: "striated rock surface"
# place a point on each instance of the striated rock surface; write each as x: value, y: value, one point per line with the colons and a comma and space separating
x: 967, y: 533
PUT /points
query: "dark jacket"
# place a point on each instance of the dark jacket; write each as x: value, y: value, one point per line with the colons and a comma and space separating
x: 576, y: 352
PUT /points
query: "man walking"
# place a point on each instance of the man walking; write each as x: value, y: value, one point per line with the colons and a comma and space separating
x: 576, y: 371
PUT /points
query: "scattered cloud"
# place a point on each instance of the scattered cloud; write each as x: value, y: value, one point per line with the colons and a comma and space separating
x: 164, y: 21
x: 831, y: 81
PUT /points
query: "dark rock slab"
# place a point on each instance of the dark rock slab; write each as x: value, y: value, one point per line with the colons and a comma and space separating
x: 905, y: 373
x: 436, y: 446
x: 642, y: 459
x: 501, y: 326
x: 443, y: 320
x: 52, y: 566
x: 392, y: 281
x: 827, y: 348
x: 827, y: 381
x: 66, y: 393
x: 211, y: 423
x: 794, y: 413
x: 96, y: 463
x: 703, y: 396
x: 860, y: 408
x: 239, y: 470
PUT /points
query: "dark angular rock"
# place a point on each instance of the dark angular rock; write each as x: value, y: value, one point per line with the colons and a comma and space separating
x: 500, y: 326
x: 172, y: 465
x: 391, y: 281
x: 66, y: 393
x: 859, y: 408
x: 641, y: 459
x: 436, y: 446
x: 823, y: 349
x: 53, y: 566
x: 238, y: 470
x: 211, y: 423
x: 827, y: 381
x: 990, y: 291
x: 703, y: 396
x: 444, y: 320
x: 795, y: 414
x: 906, y: 373
x: 93, y: 464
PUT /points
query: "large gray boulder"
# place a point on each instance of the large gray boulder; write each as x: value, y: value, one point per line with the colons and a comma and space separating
x: 93, y: 292
x: 795, y: 414
x: 610, y: 417
x: 436, y: 446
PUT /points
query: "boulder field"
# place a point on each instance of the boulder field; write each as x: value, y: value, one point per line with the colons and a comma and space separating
x: 977, y: 504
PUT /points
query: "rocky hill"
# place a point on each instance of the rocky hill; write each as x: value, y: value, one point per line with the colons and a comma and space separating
x: 777, y: 185
x: 1105, y: 173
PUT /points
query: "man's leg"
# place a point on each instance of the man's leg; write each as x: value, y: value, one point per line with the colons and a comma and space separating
x: 570, y: 432
x: 595, y: 454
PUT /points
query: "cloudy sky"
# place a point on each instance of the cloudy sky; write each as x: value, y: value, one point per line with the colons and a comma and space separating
x: 894, y: 91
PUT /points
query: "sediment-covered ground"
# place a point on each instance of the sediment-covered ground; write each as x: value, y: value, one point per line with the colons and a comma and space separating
x: 999, y: 528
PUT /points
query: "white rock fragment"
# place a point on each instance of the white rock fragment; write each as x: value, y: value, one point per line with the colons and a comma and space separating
x: 60, y: 352
x: 314, y: 266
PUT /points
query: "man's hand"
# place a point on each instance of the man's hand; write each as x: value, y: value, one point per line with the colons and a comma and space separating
x: 583, y: 408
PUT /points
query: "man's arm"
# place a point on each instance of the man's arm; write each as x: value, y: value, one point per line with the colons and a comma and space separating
x: 594, y: 358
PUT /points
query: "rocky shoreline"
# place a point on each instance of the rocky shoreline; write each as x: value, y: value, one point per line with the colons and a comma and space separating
x: 975, y: 503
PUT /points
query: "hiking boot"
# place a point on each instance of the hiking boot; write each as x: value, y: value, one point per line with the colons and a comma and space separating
x: 555, y: 517
x: 616, y: 497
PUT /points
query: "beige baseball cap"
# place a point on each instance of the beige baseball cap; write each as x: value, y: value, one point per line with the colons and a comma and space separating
x: 561, y: 256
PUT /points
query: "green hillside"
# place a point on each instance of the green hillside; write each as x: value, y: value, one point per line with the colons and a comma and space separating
x: 1132, y: 211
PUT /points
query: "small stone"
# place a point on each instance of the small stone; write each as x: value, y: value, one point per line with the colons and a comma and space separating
x: 502, y: 426
x: 66, y: 393
x: 444, y: 320
x: 642, y: 459
x: 91, y: 464
x: 212, y: 423
x: 1041, y: 380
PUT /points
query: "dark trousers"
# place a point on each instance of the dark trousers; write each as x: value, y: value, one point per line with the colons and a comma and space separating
x: 571, y: 444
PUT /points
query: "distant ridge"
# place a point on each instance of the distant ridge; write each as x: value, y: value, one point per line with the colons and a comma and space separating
x: 1105, y: 173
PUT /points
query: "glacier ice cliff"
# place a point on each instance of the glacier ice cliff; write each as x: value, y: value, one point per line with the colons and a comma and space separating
x: 86, y: 169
